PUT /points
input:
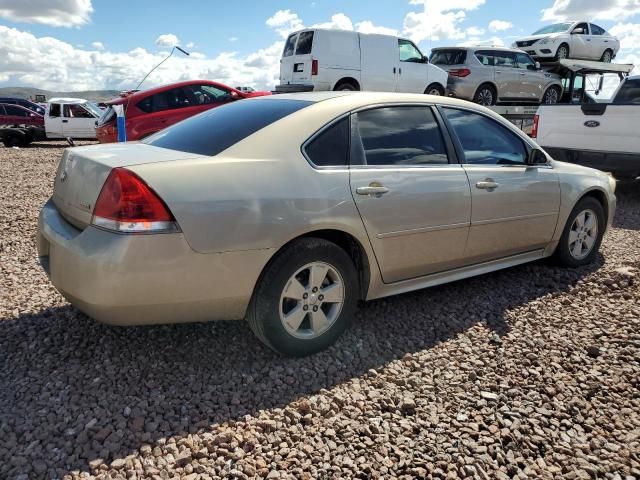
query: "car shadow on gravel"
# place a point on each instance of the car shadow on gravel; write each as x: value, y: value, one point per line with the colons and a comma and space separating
x: 73, y: 390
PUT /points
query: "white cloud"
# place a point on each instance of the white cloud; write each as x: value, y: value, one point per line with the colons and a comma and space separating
x: 591, y: 9
x: 477, y: 41
x: 233, y: 39
x: 97, y: 45
x: 475, y: 31
x: 499, y: 25
x: 339, y: 21
x: 367, y: 26
x: 167, y: 40
x: 190, y: 45
x: 438, y: 20
x: 284, y: 22
x: 57, y: 13
x: 628, y: 34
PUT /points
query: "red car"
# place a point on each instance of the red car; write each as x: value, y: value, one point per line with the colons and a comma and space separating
x: 14, y: 115
x: 152, y: 110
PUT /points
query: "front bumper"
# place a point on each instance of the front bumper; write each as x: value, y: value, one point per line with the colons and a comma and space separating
x: 144, y: 279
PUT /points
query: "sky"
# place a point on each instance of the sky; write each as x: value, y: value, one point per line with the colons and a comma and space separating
x: 73, y: 45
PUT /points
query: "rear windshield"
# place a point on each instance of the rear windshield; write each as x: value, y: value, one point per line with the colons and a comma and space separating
x: 217, y: 129
x: 449, y: 57
x: 305, y: 43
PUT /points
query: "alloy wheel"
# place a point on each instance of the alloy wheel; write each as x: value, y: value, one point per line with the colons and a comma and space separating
x: 485, y: 97
x: 551, y: 97
x: 606, y: 57
x: 312, y: 300
x: 434, y: 91
x: 583, y: 234
x: 562, y: 52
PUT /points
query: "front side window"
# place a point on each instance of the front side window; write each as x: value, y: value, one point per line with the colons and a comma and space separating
x: 525, y: 62
x: 584, y: 27
x: 76, y: 111
x: 290, y: 45
x: 54, y: 110
x: 305, y: 43
x: 596, y: 30
x: 504, y: 59
x: 409, y: 52
x: 217, y: 129
x: 401, y: 136
x: 331, y: 147
x: 206, y: 94
x: 484, y: 141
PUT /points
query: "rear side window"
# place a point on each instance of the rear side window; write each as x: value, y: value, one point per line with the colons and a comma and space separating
x: 449, y: 57
x: 215, y: 130
x: 485, y: 57
x: 401, y: 136
x: 305, y: 43
x: 290, y: 45
x: 484, y: 141
x: 629, y: 93
x: 596, y: 30
x: 54, y: 110
x: 331, y: 147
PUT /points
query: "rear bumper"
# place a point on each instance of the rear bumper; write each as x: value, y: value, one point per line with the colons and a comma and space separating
x: 461, y: 88
x: 294, y: 88
x: 623, y: 165
x: 144, y: 279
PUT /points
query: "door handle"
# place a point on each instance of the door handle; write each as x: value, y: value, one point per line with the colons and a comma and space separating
x: 488, y: 184
x: 394, y: 69
x: 373, y: 190
x: 498, y: 71
x: 65, y: 121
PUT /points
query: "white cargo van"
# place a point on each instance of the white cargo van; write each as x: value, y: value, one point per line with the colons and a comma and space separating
x: 318, y: 59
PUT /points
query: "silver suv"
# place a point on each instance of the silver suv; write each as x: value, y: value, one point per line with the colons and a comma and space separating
x: 489, y: 75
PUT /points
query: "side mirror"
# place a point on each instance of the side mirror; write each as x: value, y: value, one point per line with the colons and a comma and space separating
x: 578, y: 31
x: 425, y: 59
x: 235, y: 95
x: 532, y: 67
x: 537, y: 157
x: 537, y: 65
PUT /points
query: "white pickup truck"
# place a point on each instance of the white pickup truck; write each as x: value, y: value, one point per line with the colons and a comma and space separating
x: 601, y: 135
x: 71, y: 118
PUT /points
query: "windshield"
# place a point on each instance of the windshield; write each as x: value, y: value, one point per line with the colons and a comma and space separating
x: 215, y: 130
x: 555, y: 28
x: 93, y: 108
x: 107, y: 116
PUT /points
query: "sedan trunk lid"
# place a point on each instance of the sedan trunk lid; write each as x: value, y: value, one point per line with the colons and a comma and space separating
x: 83, y: 171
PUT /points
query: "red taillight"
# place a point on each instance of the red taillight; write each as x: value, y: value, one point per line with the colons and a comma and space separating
x: 460, y: 72
x: 314, y: 67
x: 534, y: 129
x: 127, y: 204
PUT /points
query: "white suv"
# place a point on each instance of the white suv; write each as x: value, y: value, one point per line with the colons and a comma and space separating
x: 318, y: 59
x: 581, y: 40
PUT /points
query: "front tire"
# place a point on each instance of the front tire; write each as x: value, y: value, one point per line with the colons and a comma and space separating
x: 582, y: 235
x: 305, y: 298
x: 346, y: 87
x: 563, y: 52
x: 551, y: 96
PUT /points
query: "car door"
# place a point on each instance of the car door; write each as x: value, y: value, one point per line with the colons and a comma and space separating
x: 601, y: 41
x: 514, y: 205
x: 378, y: 63
x: 412, y: 69
x: 53, y: 121
x: 507, y: 76
x: 77, y: 122
x: 415, y: 204
x: 531, y: 79
x: 580, y: 42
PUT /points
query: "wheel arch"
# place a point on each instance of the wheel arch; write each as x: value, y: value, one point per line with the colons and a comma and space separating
x: 598, y: 195
x: 350, y: 80
x: 348, y: 242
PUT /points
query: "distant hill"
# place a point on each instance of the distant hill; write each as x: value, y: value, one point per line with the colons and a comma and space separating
x: 28, y: 92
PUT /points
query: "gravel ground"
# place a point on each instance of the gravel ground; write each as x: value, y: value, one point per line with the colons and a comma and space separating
x: 533, y: 372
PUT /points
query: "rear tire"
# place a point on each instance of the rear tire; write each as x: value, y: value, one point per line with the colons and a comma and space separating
x: 551, y: 96
x: 563, y: 52
x: 607, y: 56
x: 434, y: 89
x: 346, y: 87
x: 582, y: 235
x: 486, y: 95
x: 289, y: 311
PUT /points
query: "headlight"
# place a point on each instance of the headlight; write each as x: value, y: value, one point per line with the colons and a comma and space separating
x: 546, y: 40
